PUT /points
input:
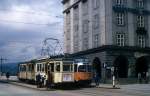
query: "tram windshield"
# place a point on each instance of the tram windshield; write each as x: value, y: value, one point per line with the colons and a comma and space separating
x: 84, y: 68
x: 67, y: 66
x: 82, y: 65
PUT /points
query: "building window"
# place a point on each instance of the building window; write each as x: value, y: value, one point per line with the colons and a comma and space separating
x: 96, y: 21
x: 141, y: 41
x: 120, y: 39
x: 85, y: 26
x: 76, y: 28
x: 76, y: 14
x: 96, y: 39
x: 85, y: 43
x: 85, y: 8
x: 67, y: 18
x: 120, y: 18
x: 95, y: 4
x: 140, y: 21
x: 120, y: 2
x: 140, y: 3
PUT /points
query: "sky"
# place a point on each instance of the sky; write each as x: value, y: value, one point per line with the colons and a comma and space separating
x: 24, y: 24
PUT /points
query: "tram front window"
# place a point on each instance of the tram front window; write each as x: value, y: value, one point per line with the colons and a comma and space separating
x: 84, y: 68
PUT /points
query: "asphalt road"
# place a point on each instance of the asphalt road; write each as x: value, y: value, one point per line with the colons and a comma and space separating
x: 126, y: 90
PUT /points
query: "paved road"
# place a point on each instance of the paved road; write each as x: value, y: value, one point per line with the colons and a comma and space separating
x: 12, y: 90
x: 126, y: 90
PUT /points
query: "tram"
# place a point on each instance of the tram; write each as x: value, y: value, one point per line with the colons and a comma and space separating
x: 29, y: 70
x: 60, y: 71
x: 57, y: 70
x: 22, y: 74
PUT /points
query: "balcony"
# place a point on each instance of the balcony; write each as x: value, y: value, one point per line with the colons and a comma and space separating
x: 123, y: 8
x: 141, y: 30
x: 120, y: 8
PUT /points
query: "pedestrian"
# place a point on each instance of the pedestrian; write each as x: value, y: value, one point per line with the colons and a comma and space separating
x: 38, y: 80
x: 147, y: 77
x: 49, y: 80
x: 139, y: 78
x: 97, y: 79
x: 7, y: 75
x: 43, y: 79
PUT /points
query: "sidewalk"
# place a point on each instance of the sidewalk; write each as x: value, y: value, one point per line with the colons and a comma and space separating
x: 13, y: 80
x: 107, y: 86
x: 27, y: 85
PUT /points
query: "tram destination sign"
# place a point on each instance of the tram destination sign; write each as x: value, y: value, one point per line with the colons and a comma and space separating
x: 81, y: 60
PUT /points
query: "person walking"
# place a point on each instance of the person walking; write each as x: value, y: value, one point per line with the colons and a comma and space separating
x: 38, y: 80
x: 97, y: 79
x: 43, y: 80
x: 7, y: 75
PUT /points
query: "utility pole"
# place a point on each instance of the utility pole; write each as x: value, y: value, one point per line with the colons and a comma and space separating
x: 1, y: 61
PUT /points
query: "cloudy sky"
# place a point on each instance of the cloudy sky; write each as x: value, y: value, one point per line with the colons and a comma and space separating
x: 24, y: 24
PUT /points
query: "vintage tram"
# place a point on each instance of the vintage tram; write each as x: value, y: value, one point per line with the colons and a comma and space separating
x: 28, y: 71
x: 60, y: 70
x: 57, y: 70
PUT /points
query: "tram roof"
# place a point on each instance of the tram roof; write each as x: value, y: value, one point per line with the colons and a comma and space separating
x: 52, y: 58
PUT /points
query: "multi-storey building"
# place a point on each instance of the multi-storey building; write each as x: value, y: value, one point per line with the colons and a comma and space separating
x: 111, y: 33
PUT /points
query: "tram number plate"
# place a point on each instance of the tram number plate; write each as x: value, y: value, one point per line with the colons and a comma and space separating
x: 67, y: 77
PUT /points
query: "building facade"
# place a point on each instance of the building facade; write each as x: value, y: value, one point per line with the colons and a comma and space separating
x: 111, y: 33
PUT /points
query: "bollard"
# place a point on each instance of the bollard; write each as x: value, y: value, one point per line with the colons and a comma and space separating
x: 114, y: 81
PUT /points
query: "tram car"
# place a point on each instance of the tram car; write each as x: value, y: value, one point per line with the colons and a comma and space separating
x: 83, y: 71
x: 57, y: 71
x: 22, y: 74
x: 29, y: 70
x: 60, y: 71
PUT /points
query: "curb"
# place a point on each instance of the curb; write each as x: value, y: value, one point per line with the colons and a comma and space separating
x: 23, y: 85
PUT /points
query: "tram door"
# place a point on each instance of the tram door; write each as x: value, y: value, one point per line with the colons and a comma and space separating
x: 50, y: 72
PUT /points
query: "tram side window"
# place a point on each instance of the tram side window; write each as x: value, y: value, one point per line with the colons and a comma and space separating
x: 20, y: 68
x: 66, y: 67
x: 52, y: 67
x: 30, y: 68
x: 42, y: 67
x: 23, y: 68
x: 38, y: 67
x: 89, y: 68
x: 75, y: 67
x: 82, y: 68
x: 57, y: 66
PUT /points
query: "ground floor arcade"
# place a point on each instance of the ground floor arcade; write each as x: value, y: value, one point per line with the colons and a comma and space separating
x: 127, y: 63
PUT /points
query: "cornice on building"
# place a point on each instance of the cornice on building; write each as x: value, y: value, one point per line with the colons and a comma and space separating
x: 65, y: 1
x: 73, y: 5
x: 113, y: 48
